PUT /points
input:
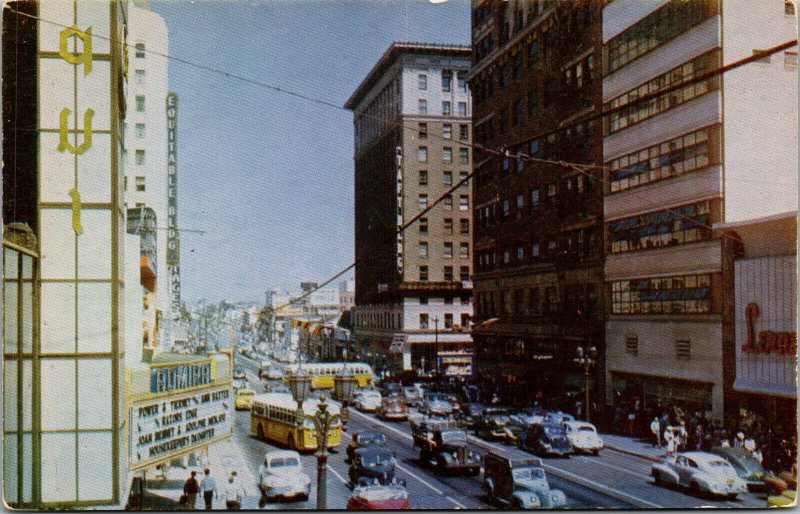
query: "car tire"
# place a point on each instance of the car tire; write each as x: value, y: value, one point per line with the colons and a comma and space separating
x: 303, y: 497
x: 657, y: 478
x: 596, y: 452
x: 694, y: 489
x: 732, y: 496
x: 516, y: 504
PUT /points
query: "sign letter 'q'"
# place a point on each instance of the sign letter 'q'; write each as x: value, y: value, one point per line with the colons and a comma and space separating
x: 85, y: 56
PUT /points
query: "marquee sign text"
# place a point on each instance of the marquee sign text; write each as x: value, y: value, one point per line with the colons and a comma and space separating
x: 784, y: 343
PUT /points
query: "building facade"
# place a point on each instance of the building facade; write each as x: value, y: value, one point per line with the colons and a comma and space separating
x: 538, y: 226
x: 412, y: 127
x: 677, y: 163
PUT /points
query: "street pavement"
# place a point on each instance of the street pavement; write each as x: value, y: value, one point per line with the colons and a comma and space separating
x: 618, y: 478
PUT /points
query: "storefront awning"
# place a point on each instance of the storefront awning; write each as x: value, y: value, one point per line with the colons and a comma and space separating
x: 747, y: 386
x: 447, y: 338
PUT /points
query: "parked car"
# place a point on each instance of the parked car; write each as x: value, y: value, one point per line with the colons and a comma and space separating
x: 243, y: 399
x: 469, y: 413
x: 519, y: 484
x: 364, y: 439
x: 701, y: 473
x: 435, y: 405
x: 545, y: 438
x: 372, y: 462
x: 411, y: 396
x: 495, y: 424
x: 379, y: 497
x: 583, y: 437
x: 558, y: 417
x: 443, y: 446
x: 528, y: 415
x: 281, y: 476
x: 392, y: 407
x: 238, y: 372
x: 367, y: 401
x: 746, y: 466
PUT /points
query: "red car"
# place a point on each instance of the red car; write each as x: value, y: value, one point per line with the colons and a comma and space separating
x: 378, y: 497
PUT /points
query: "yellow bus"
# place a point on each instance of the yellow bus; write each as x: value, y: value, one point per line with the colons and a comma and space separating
x: 273, y: 417
x: 322, y: 373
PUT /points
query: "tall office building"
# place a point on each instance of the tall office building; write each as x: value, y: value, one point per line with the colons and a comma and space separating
x: 412, y: 144
x: 719, y: 150
x: 538, y: 227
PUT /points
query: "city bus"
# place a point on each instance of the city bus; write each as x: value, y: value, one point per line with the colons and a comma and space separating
x: 273, y: 418
x: 322, y: 373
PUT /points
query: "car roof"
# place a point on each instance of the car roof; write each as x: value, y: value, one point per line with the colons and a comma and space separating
x: 577, y: 424
x: 272, y: 454
x: 373, y: 450
x: 701, y: 457
x: 368, y: 433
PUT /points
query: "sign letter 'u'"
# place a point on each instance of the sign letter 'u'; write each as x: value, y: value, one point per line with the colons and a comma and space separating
x: 63, y: 132
x: 85, y: 57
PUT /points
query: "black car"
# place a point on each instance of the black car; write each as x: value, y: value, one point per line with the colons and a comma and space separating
x: 362, y: 440
x: 372, y: 463
x: 495, y: 424
x: 545, y: 438
x: 469, y: 413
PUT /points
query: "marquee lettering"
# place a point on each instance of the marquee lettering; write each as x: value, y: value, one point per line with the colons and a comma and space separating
x: 783, y: 343
x: 63, y: 132
x: 84, y: 57
x: 76, y: 210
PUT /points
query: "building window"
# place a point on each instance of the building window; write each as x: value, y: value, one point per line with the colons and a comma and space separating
x: 535, y: 199
x: 664, y: 295
x: 462, y: 177
x: 463, y: 155
x: 422, y: 154
x: 675, y: 157
x: 534, y: 302
x: 448, y: 225
x: 520, y: 253
x: 632, y: 345
x: 446, y: 108
x: 552, y: 246
x: 423, y: 131
x: 520, y: 201
x: 423, y: 300
x: 139, y: 103
x: 422, y: 201
x: 462, y: 109
x: 463, y: 203
x: 678, y: 225
x: 766, y: 57
x: 637, y: 111
x: 463, y: 226
x: 140, y: 50
x: 519, y: 113
x: 533, y: 54
x: 423, y: 249
x: 448, y: 273
x: 447, y: 154
x: 535, y: 250
x: 675, y: 18
x: 423, y: 320
x: 462, y: 81
x: 423, y: 225
x: 790, y: 59
x: 138, y: 77
x: 448, y: 203
x: 552, y: 190
x: 683, y: 349
x: 447, y: 178
x: 504, y: 121
x: 447, y: 80
x: 448, y: 320
x: 448, y: 250
x: 423, y: 273
x: 139, y: 157
x: 423, y: 177
x: 422, y: 82
x: 464, y: 251
x: 422, y: 106
x: 463, y: 129
x: 140, y: 133
x: 464, y: 319
x: 463, y: 273
x: 447, y: 131
x: 140, y: 184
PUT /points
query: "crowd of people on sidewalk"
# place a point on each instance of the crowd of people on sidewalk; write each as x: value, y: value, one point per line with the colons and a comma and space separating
x: 233, y: 491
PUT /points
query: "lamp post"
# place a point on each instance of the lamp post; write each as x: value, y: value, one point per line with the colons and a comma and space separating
x: 436, y: 345
x: 344, y: 383
x: 586, y: 358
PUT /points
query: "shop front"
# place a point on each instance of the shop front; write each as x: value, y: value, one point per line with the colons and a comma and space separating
x: 450, y: 354
x: 656, y: 395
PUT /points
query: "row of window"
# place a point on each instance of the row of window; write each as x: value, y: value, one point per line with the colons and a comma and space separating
x: 447, y: 110
x: 678, y: 225
x: 447, y: 131
x: 447, y: 81
x: 447, y: 251
x: 575, y: 243
x: 447, y: 154
x: 579, y: 299
x: 447, y: 178
x: 665, y: 295
x: 447, y: 202
x: 425, y: 320
x: 424, y: 273
x: 683, y: 347
x: 463, y: 226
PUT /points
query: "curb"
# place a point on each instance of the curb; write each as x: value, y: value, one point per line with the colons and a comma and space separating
x: 635, y: 454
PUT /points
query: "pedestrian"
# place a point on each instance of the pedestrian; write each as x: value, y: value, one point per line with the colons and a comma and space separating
x: 631, y: 422
x: 209, y: 487
x: 739, y: 442
x: 749, y: 445
x: 699, y: 437
x: 682, y: 435
x: 190, y: 489
x: 234, y: 493
x: 655, y: 428
x: 669, y: 437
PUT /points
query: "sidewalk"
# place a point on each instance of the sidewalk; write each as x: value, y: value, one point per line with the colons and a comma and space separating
x: 223, y: 457
x: 634, y: 446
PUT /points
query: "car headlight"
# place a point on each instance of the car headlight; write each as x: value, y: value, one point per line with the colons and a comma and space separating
x: 455, y: 455
x: 546, y: 446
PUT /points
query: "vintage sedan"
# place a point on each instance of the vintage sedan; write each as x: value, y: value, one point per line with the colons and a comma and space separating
x: 372, y: 463
x: 746, y: 466
x: 546, y: 439
x: 367, y: 401
x: 519, y: 484
x: 469, y: 413
x: 701, y: 473
x: 583, y: 437
x: 411, y: 396
x: 393, y: 407
x: 281, y: 476
x: 371, y: 496
x: 363, y: 439
x: 495, y: 424
x: 435, y: 405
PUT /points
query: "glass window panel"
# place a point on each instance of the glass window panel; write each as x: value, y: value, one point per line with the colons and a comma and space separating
x: 27, y: 467
x: 94, y: 466
x: 94, y: 179
x: 27, y: 395
x: 96, y: 15
x: 94, y: 317
x: 56, y: 76
x: 10, y: 395
x: 57, y: 244
x: 27, y: 266
x: 92, y: 87
x: 58, y: 169
x: 94, y: 245
x: 58, y: 396
x: 10, y: 263
x: 94, y: 393
x: 10, y: 475
x: 57, y: 315
x: 10, y: 306
x: 27, y: 317
x: 60, y: 455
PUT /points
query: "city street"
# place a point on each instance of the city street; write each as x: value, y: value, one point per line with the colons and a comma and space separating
x: 610, y: 480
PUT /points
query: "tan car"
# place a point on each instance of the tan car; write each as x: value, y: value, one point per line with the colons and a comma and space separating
x: 392, y: 407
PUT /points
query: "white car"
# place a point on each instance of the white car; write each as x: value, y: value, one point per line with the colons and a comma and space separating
x: 367, y: 401
x: 583, y: 437
x: 701, y: 473
x: 281, y: 476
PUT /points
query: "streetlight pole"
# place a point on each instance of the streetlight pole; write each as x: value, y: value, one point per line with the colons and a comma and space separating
x: 586, y: 359
x: 436, y: 345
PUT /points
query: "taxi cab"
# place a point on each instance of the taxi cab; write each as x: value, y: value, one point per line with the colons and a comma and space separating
x: 243, y: 400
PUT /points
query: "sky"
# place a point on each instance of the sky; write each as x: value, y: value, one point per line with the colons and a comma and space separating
x: 268, y: 176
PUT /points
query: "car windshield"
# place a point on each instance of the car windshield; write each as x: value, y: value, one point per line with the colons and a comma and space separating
x: 283, y: 462
x: 554, y: 431
x: 376, y: 458
x: 365, y: 439
x: 528, y: 474
x: 450, y: 436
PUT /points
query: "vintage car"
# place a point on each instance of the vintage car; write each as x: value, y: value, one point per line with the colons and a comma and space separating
x: 243, y: 399
x: 558, y: 417
x: 435, y: 405
x: 519, y: 484
x: 392, y: 407
x: 583, y: 437
x: 276, y: 388
x: 281, y: 476
x: 545, y: 438
x: 411, y: 396
x: 270, y: 371
x: 746, y: 466
x: 238, y: 372
x: 370, y: 496
x: 239, y: 383
x: 443, y: 447
x: 372, y: 462
x: 495, y: 424
x: 469, y: 413
x: 363, y: 439
x: 528, y: 415
x: 701, y: 473
x: 367, y: 401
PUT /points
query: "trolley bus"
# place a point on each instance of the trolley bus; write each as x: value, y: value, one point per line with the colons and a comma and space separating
x: 322, y: 373
x: 273, y: 417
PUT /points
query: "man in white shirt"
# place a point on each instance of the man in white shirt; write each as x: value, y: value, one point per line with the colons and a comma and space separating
x: 234, y: 493
x: 655, y: 428
x: 208, y: 486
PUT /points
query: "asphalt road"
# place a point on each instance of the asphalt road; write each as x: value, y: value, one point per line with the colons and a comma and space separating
x: 610, y: 480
